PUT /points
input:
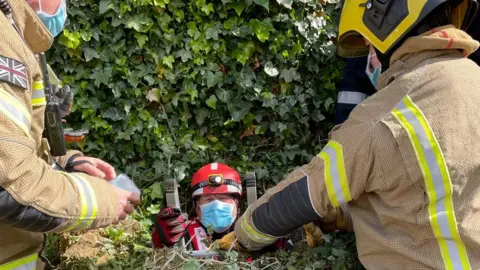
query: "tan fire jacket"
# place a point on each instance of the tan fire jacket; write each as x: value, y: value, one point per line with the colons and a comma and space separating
x: 406, y: 162
x: 34, y: 198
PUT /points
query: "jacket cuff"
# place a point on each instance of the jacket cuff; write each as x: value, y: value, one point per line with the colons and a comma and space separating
x: 63, y: 160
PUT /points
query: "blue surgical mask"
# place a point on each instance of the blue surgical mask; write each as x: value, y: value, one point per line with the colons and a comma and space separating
x: 217, y: 214
x: 375, y: 74
x: 55, y: 23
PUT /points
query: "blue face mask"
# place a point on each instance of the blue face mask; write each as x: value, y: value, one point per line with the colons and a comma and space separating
x: 55, y: 23
x: 373, y: 75
x: 217, y: 214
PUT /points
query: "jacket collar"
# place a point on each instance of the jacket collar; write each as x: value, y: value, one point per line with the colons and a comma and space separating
x: 440, y: 41
x: 37, y: 36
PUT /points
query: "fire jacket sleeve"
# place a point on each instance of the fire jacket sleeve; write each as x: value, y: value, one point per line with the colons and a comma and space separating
x: 34, y: 196
x: 336, y: 176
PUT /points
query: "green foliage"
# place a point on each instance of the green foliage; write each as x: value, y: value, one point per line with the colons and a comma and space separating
x: 165, y: 86
x: 121, y: 249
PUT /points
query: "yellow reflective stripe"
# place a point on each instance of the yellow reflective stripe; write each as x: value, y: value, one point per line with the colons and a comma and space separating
x: 38, y: 85
x: 38, y: 94
x: 39, y: 101
x: 259, y: 237
x: 88, y: 202
x: 437, y: 182
x: 335, y: 174
x: 15, y: 111
x: 26, y: 263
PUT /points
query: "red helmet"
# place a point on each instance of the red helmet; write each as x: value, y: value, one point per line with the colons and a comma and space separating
x: 216, y: 178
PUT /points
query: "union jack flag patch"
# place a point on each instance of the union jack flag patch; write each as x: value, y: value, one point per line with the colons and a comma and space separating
x: 13, y: 71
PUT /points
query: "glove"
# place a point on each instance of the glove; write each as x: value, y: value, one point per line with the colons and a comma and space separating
x: 313, y: 234
x: 170, y: 226
x: 338, y: 220
x: 64, y: 97
x: 229, y: 242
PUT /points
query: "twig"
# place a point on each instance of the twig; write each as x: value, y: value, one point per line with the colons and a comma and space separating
x: 169, y: 261
x: 272, y: 264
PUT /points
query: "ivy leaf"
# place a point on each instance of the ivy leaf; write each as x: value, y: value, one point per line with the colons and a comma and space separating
x: 179, y: 15
x: 238, y: 6
x: 70, y: 39
x: 105, y: 5
x: 286, y: 3
x: 212, y: 102
x: 201, y: 115
x: 153, y: 95
x: 223, y: 95
x: 244, y: 51
x: 160, y: 3
x: 193, y: 30
x: 141, y: 39
x: 90, y: 54
x: 212, y: 32
x: 230, y: 24
x: 270, y: 69
x: 239, y: 113
x: 289, y: 75
x: 112, y: 113
x: 101, y: 76
x: 184, y: 54
x: 191, y: 265
x: 263, y: 3
x: 139, y: 22
x: 157, y: 191
x: 213, y: 79
x: 208, y: 8
x: 168, y: 60
x: 261, y: 29
x: 245, y: 77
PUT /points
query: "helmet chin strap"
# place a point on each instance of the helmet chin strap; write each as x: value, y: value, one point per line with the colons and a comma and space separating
x: 384, y: 59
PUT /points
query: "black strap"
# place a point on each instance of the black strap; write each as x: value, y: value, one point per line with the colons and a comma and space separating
x: 71, y: 164
x: 225, y: 182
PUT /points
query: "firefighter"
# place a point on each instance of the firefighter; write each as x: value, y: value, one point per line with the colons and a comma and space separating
x: 216, y: 193
x: 406, y: 161
x: 35, y: 198
x: 354, y: 88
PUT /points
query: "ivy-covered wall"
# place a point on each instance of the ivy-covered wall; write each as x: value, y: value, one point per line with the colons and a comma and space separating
x: 166, y: 86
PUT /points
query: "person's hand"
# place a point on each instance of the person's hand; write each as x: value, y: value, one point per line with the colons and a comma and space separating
x: 65, y: 99
x: 126, y: 202
x: 313, y: 234
x: 170, y: 226
x: 93, y: 166
x: 229, y: 242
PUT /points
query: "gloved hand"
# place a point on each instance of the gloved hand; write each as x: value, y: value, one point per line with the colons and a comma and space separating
x: 65, y: 99
x: 170, y: 226
x: 229, y: 242
x: 313, y: 234
x: 337, y: 220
